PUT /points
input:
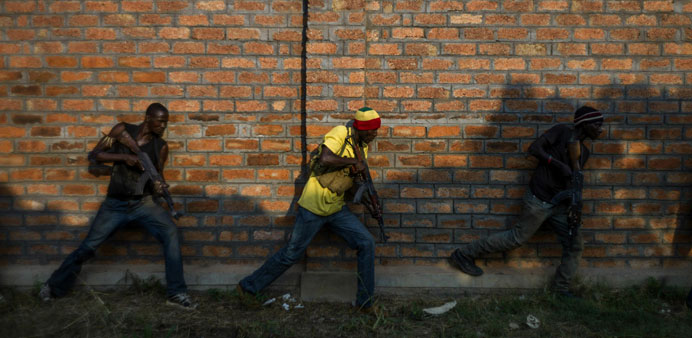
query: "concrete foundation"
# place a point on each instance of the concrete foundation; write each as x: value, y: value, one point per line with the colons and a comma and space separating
x: 340, y: 286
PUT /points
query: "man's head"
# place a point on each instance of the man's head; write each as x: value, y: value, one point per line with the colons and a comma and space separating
x: 156, y: 118
x: 367, y: 122
x: 589, y: 120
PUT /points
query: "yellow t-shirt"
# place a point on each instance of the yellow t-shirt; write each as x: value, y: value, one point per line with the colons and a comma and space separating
x: 316, y: 198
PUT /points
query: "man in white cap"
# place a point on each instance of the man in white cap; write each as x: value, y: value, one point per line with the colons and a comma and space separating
x: 553, y: 175
x: 322, y: 203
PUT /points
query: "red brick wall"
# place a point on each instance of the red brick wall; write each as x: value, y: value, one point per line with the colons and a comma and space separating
x: 463, y: 86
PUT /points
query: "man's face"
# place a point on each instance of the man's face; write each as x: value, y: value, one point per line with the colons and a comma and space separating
x: 593, y: 130
x: 366, y: 136
x: 157, y: 122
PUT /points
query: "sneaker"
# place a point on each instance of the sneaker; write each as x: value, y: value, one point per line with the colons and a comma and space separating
x: 181, y: 300
x: 465, y: 263
x: 45, y: 294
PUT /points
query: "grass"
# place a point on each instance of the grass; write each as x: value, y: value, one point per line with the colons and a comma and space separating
x: 648, y: 310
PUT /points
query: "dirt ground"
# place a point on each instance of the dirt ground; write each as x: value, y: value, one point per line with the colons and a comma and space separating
x: 651, y: 310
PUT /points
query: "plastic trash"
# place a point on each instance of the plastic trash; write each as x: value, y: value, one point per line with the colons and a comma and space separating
x: 285, y: 306
x: 286, y: 297
x: 299, y: 306
x: 440, y: 309
x: 533, y: 322
x: 269, y: 301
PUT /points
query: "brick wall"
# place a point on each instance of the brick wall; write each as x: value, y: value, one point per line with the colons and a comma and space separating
x: 464, y: 87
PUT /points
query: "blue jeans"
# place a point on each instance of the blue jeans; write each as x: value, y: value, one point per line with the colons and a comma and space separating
x: 345, y: 224
x: 112, y: 215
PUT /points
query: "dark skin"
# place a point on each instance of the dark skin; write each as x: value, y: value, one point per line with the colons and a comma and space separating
x: 363, y: 137
x: 588, y: 130
x: 153, y: 125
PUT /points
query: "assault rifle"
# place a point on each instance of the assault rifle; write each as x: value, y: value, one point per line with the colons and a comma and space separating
x: 573, y: 193
x: 373, y: 201
x: 150, y: 173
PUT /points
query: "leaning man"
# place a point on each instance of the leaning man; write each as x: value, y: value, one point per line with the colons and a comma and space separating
x: 561, y: 154
x: 124, y: 204
x: 322, y: 203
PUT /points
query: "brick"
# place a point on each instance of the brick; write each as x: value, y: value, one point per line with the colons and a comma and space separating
x: 453, y: 161
x: 204, y: 145
x: 97, y: 62
x: 238, y: 174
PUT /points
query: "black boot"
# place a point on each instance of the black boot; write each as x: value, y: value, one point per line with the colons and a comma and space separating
x: 465, y: 263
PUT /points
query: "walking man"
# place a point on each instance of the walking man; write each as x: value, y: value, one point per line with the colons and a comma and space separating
x: 561, y: 154
x: 124, y: 204
x: 322, y: 203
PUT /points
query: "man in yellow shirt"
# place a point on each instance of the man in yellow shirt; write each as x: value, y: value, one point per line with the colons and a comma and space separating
x: 320, y: 205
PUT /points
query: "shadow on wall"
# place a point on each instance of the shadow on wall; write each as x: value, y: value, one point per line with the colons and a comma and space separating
x: 28, y: 233
x: 229, y: 229
x: 637, y: 180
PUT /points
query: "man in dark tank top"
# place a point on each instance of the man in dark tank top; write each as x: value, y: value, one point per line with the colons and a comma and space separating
x: 554, y: 174
x: 124, y: 205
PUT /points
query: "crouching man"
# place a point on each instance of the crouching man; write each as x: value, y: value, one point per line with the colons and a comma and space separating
x: 562, y: 155
x: 322, y: 203
x: 124, y: 204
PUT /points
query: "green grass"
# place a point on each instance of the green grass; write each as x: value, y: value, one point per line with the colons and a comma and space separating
x: 648, y: 310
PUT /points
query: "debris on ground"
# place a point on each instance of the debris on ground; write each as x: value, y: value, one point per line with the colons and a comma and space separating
x: 269, y: 301
x: 440, y: 309
x: 513, y: 325
x: 533, y: 322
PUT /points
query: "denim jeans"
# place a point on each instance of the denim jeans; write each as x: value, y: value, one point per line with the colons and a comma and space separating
x: 346, y: 225
x: 535, y: 213
x: 112, y: 215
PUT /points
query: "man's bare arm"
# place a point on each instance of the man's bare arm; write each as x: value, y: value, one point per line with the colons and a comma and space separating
x: 100, y: 152
x: 328, y: 158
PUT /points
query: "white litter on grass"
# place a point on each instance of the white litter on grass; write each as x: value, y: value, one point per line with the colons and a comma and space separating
x: 513, y: 325
x: 299, y: 306
x: 440, y: 309
x: 269, y: 301
x: 286, y: 297
x: 532, y: 322
x: 285, y: 306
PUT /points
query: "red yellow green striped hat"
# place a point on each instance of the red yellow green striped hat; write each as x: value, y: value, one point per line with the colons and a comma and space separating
x: 367, y: 119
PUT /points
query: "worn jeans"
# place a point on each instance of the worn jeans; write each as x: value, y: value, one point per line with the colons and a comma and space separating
x: 535, y: 213
x: 112, y: 215
x: 346, y: 225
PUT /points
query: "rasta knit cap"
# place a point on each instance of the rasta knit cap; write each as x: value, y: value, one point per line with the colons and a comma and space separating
x: 367, y: 119
x: 587, y: 114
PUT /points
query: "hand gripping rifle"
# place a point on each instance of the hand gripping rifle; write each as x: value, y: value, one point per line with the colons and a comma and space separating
x: 573, y: 193
x: 373, y: 201
x: 150, y: 172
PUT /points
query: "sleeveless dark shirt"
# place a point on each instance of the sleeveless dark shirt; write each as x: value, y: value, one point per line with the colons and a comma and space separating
x: 124, y: 177
x: 547, y: 180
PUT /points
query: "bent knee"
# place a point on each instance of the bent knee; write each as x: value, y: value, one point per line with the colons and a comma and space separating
x: 367, y: 243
